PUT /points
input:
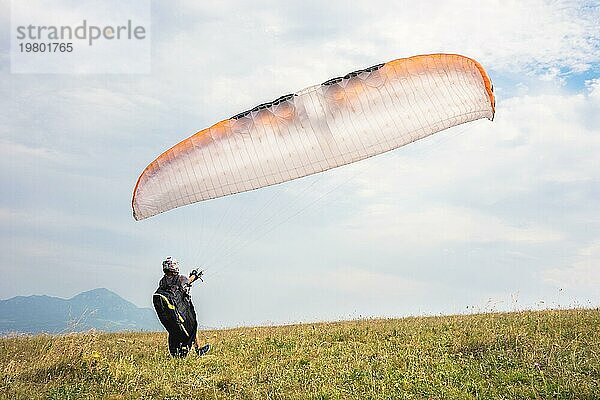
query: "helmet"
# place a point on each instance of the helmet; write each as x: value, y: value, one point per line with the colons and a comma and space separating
x: 170, y: 265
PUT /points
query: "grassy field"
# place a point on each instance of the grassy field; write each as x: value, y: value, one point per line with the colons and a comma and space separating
x: 536, y: 355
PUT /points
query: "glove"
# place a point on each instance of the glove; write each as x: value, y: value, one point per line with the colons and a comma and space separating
x: 197, y: 274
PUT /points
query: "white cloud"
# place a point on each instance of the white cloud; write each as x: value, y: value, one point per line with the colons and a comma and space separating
x: 434, y: 226
x: 593, y: 86
x: 521, y: 35
x: 358, y: 281
x: 18, y: 150
x: 583, y: 272
x: 59, y: 219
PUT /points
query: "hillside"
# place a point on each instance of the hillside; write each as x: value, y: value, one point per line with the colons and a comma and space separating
x: 536, y: 355
x: 98, y: 309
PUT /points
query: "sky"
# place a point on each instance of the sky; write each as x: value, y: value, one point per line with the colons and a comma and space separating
x: 486, y: 216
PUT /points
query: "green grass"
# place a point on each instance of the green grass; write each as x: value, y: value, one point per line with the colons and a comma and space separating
x: 533, y: 355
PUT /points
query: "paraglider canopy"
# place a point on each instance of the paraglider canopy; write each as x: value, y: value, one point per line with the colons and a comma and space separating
x: 340, y: 121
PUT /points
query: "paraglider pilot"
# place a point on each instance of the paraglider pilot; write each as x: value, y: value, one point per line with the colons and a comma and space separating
x: 175, y: 310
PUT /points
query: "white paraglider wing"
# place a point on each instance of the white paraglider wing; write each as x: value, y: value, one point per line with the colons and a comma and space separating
x: 342, y: 120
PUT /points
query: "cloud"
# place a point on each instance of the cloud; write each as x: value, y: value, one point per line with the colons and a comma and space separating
x: 584, y: 271
x: 361, y: 281
x: 506, y: 36
x: 593, y: 86
x: 32, y: 153
x: 434, y: 226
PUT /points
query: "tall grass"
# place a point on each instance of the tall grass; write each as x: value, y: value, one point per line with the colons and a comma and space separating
x: 524, y: 355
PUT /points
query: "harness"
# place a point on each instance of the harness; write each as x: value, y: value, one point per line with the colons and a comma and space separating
x: 168, y: 301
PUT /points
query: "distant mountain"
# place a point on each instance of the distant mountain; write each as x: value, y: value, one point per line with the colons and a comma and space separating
x: 98, y: 309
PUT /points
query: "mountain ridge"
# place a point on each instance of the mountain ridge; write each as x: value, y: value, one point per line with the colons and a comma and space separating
x: 99, y: 309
